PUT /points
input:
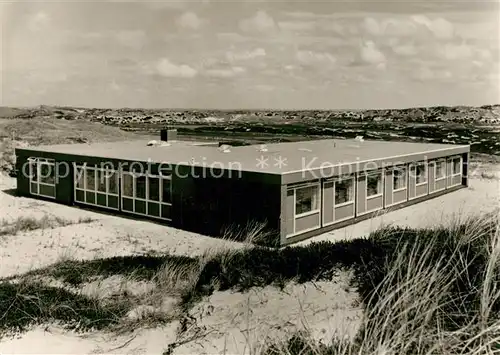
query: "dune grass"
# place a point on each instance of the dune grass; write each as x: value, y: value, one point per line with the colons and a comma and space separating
x: 24, y: 304
x: 25, y: 224
x: 437, y: 293
x: 424, y: 291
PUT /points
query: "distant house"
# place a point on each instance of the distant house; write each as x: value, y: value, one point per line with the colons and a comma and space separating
x: 298, y: 189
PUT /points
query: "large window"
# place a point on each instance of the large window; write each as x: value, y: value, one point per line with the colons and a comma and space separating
x: 374, y: 184
x: 399, y: 178
x: 421, y: 173
x: 440, y: 169
x: 306, y: 199
x: 96, y: 185
x: 147, y: 194
x: 344, y: 190
x: 457, y: 166
x: 42, y: 176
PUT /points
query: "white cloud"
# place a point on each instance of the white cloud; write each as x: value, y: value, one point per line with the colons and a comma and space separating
x: 409, y: 26
x: 427, y: 74
x: 371, y: 54
x: 225, y: 73
x: 264, y: 87
x: 133, y: 38
x: 372, y: 26
x: 168, y: 69
x: 405, y: 49
x: 455, y: 52
x: 189, y: 20
x: 296, y: 26
x: 261, y: 22
x: 440, y: 27
x: 38, y: 21
x: 235, y: 56
x: 114, y: 86
x: 315, y: 58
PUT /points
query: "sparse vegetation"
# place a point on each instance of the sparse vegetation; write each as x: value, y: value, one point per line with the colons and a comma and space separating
x: 24, y: 304
x: 437, y: 293
x: 425, y: 291
x: 24, y: 224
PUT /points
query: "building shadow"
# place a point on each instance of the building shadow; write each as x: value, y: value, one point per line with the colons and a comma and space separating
x: 11, y: 192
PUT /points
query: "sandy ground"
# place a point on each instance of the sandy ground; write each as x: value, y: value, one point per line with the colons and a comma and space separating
x: 225, y: 320
x: 243, y: 322
x: 107, y: 236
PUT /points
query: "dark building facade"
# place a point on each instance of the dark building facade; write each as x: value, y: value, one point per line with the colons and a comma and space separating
x: 294, y: 204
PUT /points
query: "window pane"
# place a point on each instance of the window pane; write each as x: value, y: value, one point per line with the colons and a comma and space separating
x: 90, y: 179
x: 343, y: 191
x: 113, y: 182
x: 373, y: 184
x: 101, y: 180
x: 140, y: 187
x: 306, y: 199
x: 128, y: 185
x: 456, y: 166
x: 421, y: 173
x: 33, y: 171
x: 440, y: 172
x: 47, y: 173
x: 79, y: 177
x: 154, y: 188
x: 166, y: 195
x: 399, y: 181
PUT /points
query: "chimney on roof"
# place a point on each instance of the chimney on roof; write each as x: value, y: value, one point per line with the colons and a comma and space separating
x: 168, y: 134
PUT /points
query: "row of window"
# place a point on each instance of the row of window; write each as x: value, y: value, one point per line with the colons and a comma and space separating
x: 143, y: 194
x: 42, y: 177
x: 96, y: 186
x: 147, y: 194
x: 307, y: 197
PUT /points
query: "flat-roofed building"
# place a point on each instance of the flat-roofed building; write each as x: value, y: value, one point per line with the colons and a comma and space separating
x: 297, y: 189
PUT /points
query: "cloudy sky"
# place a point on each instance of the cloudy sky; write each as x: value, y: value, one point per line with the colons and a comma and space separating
x: 250, y: 54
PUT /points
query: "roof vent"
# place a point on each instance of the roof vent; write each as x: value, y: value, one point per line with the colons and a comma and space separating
x: 169, y: 134
x: 359, y: 138
x: 262, y: 148
x: 225, y: 148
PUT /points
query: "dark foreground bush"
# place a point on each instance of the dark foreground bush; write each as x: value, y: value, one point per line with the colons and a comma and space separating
x: 261, y: 266
x: 25, y: 304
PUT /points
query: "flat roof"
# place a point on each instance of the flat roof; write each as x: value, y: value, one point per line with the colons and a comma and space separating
x: 279, y: 158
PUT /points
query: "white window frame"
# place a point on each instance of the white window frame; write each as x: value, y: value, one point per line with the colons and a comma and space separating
x: 442, y: 161
x: 146, y: 200
x: 353, y: 194
x: 85, y: 190
x: 38, y: 162
x: 318, y: 196
x: 400, y: 167
x: 372, y: 173
x: 296, y: 187
x: 426, y: 175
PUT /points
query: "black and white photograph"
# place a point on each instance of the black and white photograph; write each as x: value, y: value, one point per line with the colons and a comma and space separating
x: 250, y: 177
